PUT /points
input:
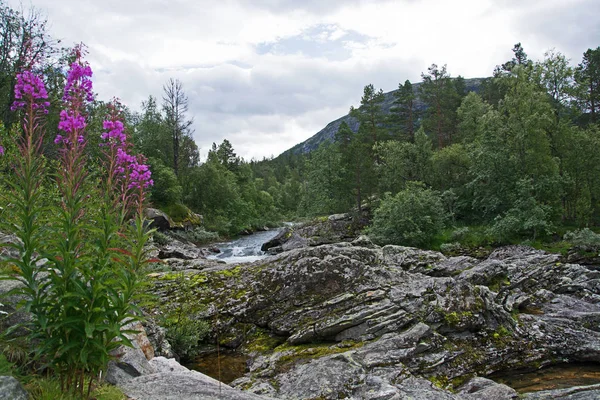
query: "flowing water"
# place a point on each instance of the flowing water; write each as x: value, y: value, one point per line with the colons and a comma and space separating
x: 559, y: 376
x: 246, y: 248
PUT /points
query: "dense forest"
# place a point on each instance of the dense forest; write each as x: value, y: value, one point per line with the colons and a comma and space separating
x: 515, y: 157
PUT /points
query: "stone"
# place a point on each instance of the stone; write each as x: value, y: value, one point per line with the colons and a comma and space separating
x: 157, y: 336
x: 179, y: 250
x: 368, y: 322
x: 131, y: 362
x: 483, y: 388
x: 182, y: 386
x: 160, y: 220
x: 11, y: 389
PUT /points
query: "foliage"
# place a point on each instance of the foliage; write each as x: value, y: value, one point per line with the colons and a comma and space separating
x: 185, y: 330
x: 450, y: 248
x: 584, y: 239
x: 46, y: 388
x: 78, y: 266
x: 166, y: 189
x: 197, y: 235
x: 412, y: 217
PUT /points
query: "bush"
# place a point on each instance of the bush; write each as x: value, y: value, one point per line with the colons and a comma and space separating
x: 584, y: 239
x: 184, y: 334
x: 177, y: 211
x: 166, y: 189
x: 412, y: 217
x: 460, y: 233
x: 160, y: 238
x: 450, y: 248
x: 185, y: 330
x: 197, y: 236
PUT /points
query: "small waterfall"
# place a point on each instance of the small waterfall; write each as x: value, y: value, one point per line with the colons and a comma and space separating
x: 245, y: 248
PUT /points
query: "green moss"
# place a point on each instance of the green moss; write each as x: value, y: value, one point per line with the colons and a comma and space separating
x: 311, y: 351
x: 498, y: 282
x: 231, y: 272
x: 455, y: 318
x: 262, y: 342
x: 500, y: 333
x: 440, y: 381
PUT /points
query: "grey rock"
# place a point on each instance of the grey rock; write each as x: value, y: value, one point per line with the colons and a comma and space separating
x: 393, y: 315
x: 363, y: 241
x: 182, y: 386
x: 11, y: 389
x: 328, y: 377
x: 131, y: 362
x: 160, y: 220
x: 157, y: 337
x: 483, y: 388
x: 179, y: 250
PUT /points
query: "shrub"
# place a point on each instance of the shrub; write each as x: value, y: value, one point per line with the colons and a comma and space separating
x: 450, y: 248
x: 460, y: 233
x: 166, y: 189
x: 198, y: 236
x: 412, y: 217
x: 584, y: 239
x: 161, y: 238
x: 184, y: 329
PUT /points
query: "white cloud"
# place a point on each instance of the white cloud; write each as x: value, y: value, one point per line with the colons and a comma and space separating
x: 268, y: 74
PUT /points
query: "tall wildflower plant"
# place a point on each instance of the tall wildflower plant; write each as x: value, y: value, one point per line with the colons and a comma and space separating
x: 25, y: 197
x: 85, y: 293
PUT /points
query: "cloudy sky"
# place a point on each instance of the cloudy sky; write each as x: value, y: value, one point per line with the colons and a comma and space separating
x: 268, y: 74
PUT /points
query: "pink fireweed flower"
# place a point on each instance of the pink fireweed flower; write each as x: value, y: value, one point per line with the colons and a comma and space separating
x: 1, y: 151
x: 79, y: 84
x: 77, y: 93
x: 140, y: 176
x: 71, y: 121
x: 115, y: 134
x: 30, y: 89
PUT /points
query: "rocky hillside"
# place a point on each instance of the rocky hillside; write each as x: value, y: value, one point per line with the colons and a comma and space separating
x: 330, y: 130
x: 358, y: 321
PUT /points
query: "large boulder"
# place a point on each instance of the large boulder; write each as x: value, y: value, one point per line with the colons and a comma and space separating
x: 171, y: 380
x: 11, y: 389
x: 160, y: 220
x: 131, y: 362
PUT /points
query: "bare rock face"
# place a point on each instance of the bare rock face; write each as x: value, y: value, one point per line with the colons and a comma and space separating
x: 362, y: 322
x: 131, y: 362
x: 11, y: 389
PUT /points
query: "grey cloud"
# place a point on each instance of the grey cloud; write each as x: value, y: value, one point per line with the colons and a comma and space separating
x: 311, y: 6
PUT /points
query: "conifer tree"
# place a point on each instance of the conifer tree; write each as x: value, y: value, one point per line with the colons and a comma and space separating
x: 404, y: 114
x: 587, y: 76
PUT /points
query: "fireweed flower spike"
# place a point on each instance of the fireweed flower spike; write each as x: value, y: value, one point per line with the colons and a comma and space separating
x: 128, y: 174
x: 77, y: 93
x: 30, y: 90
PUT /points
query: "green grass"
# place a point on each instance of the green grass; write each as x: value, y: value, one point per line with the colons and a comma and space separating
x: 41, y: 388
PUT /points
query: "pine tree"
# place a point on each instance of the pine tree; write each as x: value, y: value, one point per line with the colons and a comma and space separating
x: 369, y: 114
x: 404, y: 114
x: 587, y: 76
x: 439, y: 93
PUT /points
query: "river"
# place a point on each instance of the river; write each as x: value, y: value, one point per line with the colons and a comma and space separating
x: 246, y: 248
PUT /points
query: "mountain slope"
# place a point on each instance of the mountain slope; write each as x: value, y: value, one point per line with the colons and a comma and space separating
x: 328, y: 133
